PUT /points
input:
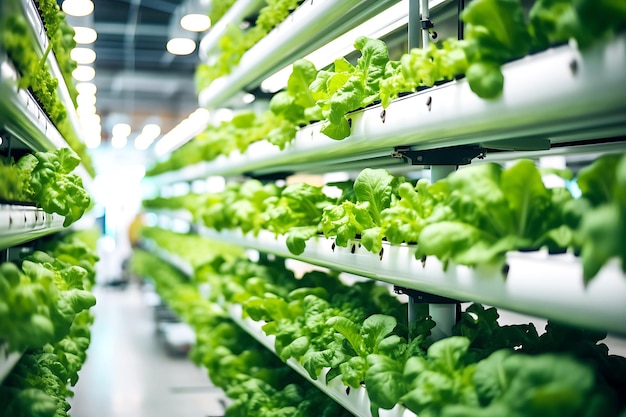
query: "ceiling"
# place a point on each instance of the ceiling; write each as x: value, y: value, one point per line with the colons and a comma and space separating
x: 138, y: 81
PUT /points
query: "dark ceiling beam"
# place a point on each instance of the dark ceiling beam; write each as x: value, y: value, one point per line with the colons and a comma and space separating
x: 159, y: 5
x: 144, y: 29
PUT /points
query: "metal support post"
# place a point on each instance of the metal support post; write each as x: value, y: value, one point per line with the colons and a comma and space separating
x: 415, y: 26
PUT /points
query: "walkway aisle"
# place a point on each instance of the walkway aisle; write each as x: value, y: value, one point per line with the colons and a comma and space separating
x: 128, y: 372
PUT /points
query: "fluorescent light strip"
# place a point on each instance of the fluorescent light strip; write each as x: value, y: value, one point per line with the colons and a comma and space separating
x: 188, y: 128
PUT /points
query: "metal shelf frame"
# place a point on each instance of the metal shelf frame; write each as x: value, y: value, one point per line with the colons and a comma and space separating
x: 544, y: 101
x: 20, y: 224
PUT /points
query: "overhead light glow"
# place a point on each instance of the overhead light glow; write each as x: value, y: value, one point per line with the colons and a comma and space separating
x: 85, y: 100
x: 195, y: 22
x: 86, y: 88
x: 181, y: 46
x: 142, y: 142
x: 83, y: 73
x: 195, y: 123
x: 148, y: 134
x: 85, y: 35
x: 87, y: 111
x: 88, y: 120
x: 121, y: 130
x: 93, y: 141
x: 223, y: 115
x: 83, y: 56
x: 248, y: 98
x: 119, y: 141
x: 92, y: 134
x: 77, y: 8
x: 151, y: 130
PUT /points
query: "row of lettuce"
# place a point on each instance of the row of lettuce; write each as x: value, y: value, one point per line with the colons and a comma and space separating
x: 18, y: 41
x: 45, y: 303
x: 472, y: 217
x: 45, y: 179
x: 496, y: 32
x: 359, y: 334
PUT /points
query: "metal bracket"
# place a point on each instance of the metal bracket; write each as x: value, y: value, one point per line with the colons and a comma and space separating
x: 271, y: 177
x: 457, y: 155
x: 6, y: 142
x: 421, y: 297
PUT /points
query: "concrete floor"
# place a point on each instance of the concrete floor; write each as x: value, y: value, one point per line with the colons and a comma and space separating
x: 129, y: 373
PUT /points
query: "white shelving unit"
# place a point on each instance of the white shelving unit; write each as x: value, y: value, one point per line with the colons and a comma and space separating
x: 28, y: 126
x: 561, y: 97
x: 564, y: 106
x: 23, y: 121
x: 537, y: 283
x: 20, y: 114
x: 20, y: 224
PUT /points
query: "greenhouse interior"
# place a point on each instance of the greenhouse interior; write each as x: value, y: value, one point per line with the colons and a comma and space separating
x: 312, y: 208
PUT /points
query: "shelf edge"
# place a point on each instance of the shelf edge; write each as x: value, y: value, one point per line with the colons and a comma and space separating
x: 537, y: 283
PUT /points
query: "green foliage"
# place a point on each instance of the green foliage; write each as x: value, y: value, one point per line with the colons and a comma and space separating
x: 61, y: 37
x: 15, y: 185
x: 235, y: 135
x: 35, y: 73
x: 219, y: 9
x: 258, y: 383
x: 496, y: 32
x: 238, y: 41
x: 358, y: 333
x: 521, y: 385
x: 473, y: 217
x: 56, y: 189
x: 44, y: 312
x: 42, y: 297
x: 489, y: 210
x: 599, y: 217
x: 375, y: 190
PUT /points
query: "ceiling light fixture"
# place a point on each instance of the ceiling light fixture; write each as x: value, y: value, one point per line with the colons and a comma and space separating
x: 85, y: 35
x: 85, y: 111
x: 248, y: 98
x: 93, y: 140
x: 83, y: 73
x: 181, y: 46
x: 121, y: 130
x: 142, y: 142
x: 77, y: 8
x: 83, y: 56
x: 148, y: 134
x: 119, y: 142
x: 195, y: 22
x: 151, y: 130
x: 85, y: 100
x: 86, y: 88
